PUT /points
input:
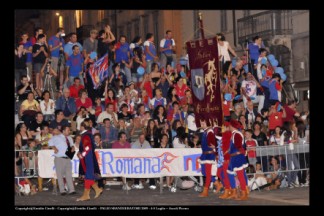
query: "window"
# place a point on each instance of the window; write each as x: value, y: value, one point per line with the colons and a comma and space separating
x: 78, y: 18
x: 195, y: 24
x: 223, y: 21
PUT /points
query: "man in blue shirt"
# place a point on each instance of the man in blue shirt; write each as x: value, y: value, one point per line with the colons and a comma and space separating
x: 167, y: 48
x: 122, y: 56
x: 150, y: 52
x: 254, y: 49
x: 63, y: 166
x: 74, y: 66
x: 68, y: 47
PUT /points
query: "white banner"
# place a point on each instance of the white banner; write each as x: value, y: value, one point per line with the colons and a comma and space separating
x: 134, y: 163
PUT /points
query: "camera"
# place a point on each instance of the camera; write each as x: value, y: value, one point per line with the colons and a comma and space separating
x: 49, y: 61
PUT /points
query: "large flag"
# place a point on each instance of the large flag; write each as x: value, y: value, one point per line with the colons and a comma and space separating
x: 99, y: 71
x: 205, y: 80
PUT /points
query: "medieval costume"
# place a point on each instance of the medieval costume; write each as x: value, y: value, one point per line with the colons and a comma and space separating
x: 88, y: 166
x: 207, y: 158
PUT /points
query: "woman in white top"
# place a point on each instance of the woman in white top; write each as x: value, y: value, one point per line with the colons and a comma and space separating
x: 47, y: 106
x: 180, y: 141
x: 275, y: 138
x: 223, y: 48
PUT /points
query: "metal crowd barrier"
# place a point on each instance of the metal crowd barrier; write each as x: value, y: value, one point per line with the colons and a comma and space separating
x: 22, y: 170
x: 286, y: 155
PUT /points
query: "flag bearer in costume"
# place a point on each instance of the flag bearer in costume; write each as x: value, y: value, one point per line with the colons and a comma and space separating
x: 207, y: 158
x: 88, y: 162
x: 238, y: 161
x: 222, y: 164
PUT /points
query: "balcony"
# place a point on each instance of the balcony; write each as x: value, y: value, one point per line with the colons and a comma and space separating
x: 265, y: 24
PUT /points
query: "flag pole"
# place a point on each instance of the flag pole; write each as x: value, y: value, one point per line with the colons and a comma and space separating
x: 201, y: 25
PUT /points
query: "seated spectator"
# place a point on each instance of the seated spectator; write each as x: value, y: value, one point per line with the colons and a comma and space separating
x: 258, y: 179
x: 108, y: 134
x: 98, y: 107
x: 81, y: 115
x: 36, y: 124
x: 180, y: 141
x: 43, y: 137
x: 123, y: 114
x: 67, y: 105
x: 59, y: 121
x: 276, y: 178
x: 47, y: 106
x: 195, y: 141
x: 28, y: 109
x: 152, y: 133
x: 135, y: 130
x: 110, y: 97
x: 83, y: 100
x: 158, y: 100
x: 108, y: 113
x: 75, y: 88
x: 97, y: 140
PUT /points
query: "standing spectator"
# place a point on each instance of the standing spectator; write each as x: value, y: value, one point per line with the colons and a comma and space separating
x: 152, y: 133
x: 91, y: 43
x: 250, y: 114
x: 167, y: 49
x: 37, y: 32
x: 137, y: 42
x: 28, y: 47
x: 291, y: 112
x: 249, y: 91
x: 262, y: 140
x: 250, y: 145
x: 56, y: 44
x: 105, y: 38
x: 68, y: 48
x: 275, y: 116
x: 20, y: 63
x: 40, y: 53
x: 150, y: 52
x: 275, y: 87
x: 164, y: 84
x: 123, y: 56
x: 254, y: 49
x: 158, y: 99
x: 63, y: 165
x: 223, y: 48
x: 88, y: 167
x: 74, y: 66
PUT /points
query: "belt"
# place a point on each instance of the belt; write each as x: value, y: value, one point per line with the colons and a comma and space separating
x: 65, y: 157
x: 208, y: 152
x: 235, y: 154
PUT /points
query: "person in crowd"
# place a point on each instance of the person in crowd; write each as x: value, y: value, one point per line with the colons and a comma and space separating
x: 108, y: 133
x: 47, y: 106
x: 63, y: 166
x: 68, y: 48
x: 152, y: 133
x: 108, y: 113
x: 28, y: 47
x: 106, y: 37
x: 123, y: 56
x: 249, y: 90
x: 28, y: 109
x: 259, y: 178
x: 21, y: 138
x: 208, y: 156
x: 20, y: 63
x: 250, y: 147
x: 291, y: 112
x: 91, y: 43
x: 59, y: 121
x: 76, y: 87
x: 88, y: 166
x: 110, y: 97
x: 150, y: 52
x: 275, y: 137
x: 40, y: 53
x: 167, y: 49
x: 223, y: 48
x: 36, y: 124
x: 74, y: 67
x: 238, y: 161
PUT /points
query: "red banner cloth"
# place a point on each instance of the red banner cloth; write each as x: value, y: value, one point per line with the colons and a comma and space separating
x: 205, y: 80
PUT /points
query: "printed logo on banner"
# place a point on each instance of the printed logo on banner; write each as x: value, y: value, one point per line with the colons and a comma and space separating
x: 197, y: 83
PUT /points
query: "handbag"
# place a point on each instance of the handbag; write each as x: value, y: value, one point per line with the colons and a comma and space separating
x: 68, y: 151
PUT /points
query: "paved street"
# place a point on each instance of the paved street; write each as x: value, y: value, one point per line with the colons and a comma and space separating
x: 115, y: 196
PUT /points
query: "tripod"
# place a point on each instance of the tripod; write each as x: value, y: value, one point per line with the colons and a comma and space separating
x: 48, y: 84
x: 60, y: 75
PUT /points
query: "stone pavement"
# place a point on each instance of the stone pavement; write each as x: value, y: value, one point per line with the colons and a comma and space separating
x: 115, y: 196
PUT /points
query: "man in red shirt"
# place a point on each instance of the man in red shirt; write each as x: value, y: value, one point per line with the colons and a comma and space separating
x: 290, y: 109
x: 75, y: 88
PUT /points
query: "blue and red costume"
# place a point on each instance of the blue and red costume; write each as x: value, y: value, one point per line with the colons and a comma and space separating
x: 88, y: 163
x: 208, y: 156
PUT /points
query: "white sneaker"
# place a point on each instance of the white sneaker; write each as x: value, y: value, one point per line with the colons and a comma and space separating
x: 45, y: 189
x: 152, y: 187
x: 140, y: 186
